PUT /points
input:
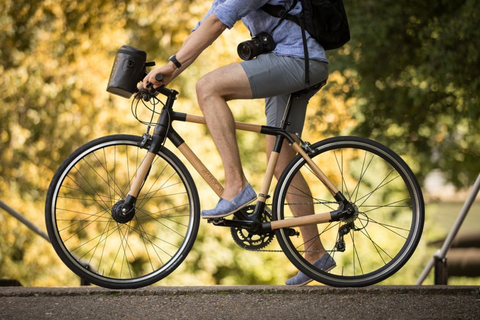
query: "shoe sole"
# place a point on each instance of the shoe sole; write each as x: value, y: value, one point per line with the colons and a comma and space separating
x: 231, y: 212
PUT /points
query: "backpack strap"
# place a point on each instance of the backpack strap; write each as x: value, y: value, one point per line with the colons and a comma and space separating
x: 281, y: 12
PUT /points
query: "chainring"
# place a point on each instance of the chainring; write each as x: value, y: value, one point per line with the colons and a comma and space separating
x: 252, y: 241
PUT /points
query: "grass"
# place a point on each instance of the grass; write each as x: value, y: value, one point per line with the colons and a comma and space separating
x: 446, y: 213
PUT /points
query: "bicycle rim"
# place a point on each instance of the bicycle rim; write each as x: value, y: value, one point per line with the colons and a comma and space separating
x: 95, y: 245
x: 386, y: 227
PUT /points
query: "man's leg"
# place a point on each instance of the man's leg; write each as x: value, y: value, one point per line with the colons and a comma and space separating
x: 311, y: 238
x: 213, y: 92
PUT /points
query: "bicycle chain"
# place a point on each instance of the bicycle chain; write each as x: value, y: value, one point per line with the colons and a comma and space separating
x: 304, y: 203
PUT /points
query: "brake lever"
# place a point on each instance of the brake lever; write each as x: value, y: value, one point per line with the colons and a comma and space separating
x: 158, y: 77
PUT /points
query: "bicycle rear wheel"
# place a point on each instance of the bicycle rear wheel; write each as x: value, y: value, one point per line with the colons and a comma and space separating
x: 117, y: 253
x: 389, y: 212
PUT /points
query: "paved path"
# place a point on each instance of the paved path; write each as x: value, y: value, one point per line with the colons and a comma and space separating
x: 242, y: 302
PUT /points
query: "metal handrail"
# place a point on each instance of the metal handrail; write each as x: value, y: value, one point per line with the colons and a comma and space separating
x: 439, y: 257
x: 24, y: 220
x: 32, y: 227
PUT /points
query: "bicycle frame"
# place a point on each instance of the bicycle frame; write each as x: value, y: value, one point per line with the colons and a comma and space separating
x: 165, y: 130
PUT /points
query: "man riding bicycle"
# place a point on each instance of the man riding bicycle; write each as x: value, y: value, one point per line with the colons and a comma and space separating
x: 274, y: 74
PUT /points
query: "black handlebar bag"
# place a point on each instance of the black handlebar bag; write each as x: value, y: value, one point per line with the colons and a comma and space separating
x: 128, y: 69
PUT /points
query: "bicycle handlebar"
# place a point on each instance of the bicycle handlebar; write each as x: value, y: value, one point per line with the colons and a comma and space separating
x: 148, y: 92
x: 166, y: 92
x: 162, y: 89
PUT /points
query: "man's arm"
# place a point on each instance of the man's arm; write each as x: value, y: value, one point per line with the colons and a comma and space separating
x: 192, y: 47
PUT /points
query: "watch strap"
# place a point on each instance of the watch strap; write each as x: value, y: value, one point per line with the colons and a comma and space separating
x: 175, y: 61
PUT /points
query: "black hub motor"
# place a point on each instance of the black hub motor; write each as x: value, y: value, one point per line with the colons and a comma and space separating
x: 120, y: 214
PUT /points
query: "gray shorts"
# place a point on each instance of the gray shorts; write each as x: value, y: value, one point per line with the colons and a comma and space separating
x: 274, y: 78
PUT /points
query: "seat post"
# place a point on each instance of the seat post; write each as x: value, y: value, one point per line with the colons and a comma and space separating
x: 284, y: 123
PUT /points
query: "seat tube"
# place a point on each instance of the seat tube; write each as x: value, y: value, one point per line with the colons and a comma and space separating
x: 272, y: 163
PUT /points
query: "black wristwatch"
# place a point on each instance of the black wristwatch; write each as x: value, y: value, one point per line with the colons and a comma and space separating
x: 175, y: 61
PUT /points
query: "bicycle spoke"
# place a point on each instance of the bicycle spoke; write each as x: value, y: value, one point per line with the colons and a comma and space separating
x: 378, y: 187
x: 363, y: 172
x: 387, y: 205
x: 355, y: 256
x: 389, y: 227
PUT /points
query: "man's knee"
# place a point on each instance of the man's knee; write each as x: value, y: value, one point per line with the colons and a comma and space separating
x: 227, y: 83
x: 203, y: 89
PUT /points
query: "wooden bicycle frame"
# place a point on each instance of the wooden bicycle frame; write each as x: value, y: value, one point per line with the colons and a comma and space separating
x: 267, y: 180
x: 218, y: 188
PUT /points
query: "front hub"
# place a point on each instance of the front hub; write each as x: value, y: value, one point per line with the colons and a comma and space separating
x: 120, y: 214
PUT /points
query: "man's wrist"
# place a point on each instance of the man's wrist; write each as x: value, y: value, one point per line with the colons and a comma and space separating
x: 175, y: 62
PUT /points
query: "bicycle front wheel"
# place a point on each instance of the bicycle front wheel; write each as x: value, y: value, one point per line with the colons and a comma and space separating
x: 121, y: 253
x: 378, y: 239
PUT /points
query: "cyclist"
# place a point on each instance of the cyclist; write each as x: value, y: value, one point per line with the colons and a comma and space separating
x: 272, y: 75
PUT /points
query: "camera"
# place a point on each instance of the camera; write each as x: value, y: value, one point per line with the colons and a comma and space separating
x: 127, y: 71
x: 261, y: 43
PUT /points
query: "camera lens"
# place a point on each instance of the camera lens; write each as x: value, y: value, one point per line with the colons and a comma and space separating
x: 245, y: 50
x: 259, y: 44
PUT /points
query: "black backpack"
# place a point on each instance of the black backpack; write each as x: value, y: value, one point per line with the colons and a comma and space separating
x: 325, y: 20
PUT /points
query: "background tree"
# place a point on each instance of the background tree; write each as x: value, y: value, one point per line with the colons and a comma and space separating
x: 412, y: 69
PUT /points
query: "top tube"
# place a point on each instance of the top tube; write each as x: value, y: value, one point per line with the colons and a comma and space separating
x: 171, y: 95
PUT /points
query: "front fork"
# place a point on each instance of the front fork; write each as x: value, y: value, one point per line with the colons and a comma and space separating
x: 126, y: 208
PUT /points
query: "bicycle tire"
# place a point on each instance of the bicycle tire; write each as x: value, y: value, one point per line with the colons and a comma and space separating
x: 102, y: 250
x: 389, y: 217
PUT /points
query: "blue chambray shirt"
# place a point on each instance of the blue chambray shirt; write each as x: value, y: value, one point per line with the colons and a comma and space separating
x: 287, y: 35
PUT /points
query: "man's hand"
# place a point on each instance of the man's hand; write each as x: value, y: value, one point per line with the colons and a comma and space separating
x: 166, y: 71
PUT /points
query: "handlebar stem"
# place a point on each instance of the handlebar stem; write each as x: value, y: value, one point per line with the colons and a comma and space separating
x: 165, y: 120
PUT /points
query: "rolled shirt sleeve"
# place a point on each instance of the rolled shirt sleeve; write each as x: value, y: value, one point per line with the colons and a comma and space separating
x: 231, y: 11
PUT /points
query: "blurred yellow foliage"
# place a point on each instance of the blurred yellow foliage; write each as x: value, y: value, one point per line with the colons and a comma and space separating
x: 55, y: 63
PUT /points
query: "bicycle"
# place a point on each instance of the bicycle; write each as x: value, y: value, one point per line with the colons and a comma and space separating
x: 123, y: 211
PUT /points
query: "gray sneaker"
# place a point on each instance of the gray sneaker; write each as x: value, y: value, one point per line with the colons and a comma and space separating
x: 225, y: 207
x: 325, y: 263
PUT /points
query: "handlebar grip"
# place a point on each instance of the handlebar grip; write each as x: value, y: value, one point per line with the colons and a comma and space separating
x: 162, y: 89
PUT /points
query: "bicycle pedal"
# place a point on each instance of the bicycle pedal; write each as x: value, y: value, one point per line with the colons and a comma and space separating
x: 292, y: 232
x: 216, y: 221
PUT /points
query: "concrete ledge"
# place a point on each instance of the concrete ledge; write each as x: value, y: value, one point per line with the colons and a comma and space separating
x: 189, y: 290
x: 242, y: 302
